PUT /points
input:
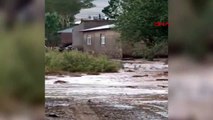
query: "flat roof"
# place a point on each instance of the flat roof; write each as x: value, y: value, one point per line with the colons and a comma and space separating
x: 104, y: 27
x: 68, y: 30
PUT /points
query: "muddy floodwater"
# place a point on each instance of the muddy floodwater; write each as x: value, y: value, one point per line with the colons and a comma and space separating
x: 139, y: 91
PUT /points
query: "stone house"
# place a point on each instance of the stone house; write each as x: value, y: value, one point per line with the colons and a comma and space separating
x: 102, y: 40
x: 78, y: 36
x: 97, y: 37
x: 73, y: 36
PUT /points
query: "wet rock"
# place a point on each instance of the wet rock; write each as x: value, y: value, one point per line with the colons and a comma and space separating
x: 162, y: 79
x: 89, y: 101
x: 93, y: 73
x: 53, y: 115
x: 161, y: 74
x: 60, y: 82
x: 166, y: 72
x: 131, y: 86
x: 162, y: 86
x: 140, y: 75
x: 129, y: 71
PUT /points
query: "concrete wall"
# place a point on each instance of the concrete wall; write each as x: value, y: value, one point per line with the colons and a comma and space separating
x: 112, y: 47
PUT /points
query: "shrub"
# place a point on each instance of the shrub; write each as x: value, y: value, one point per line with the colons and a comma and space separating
x: 159, y: 49
x: 78, y: 62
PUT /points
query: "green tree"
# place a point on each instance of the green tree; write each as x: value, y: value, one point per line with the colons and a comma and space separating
x: 135, y: 21
x: 60, y: 14
x: 67, y: 7
x: 52, y: 25
x: 113, y: 9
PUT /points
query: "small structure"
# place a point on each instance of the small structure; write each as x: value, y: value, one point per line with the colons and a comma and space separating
x: 74, y: 35
x: 66, y: 36
x: 102, y: 40
x: 105, y: 40
x: 97, y: 37
x: 85, y: 24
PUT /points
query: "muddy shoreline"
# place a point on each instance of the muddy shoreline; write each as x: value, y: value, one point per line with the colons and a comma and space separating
x: 138, y: 95
x: 69, y: 109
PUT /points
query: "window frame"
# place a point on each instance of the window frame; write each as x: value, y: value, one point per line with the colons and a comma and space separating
x: 89, y: 40
x: 102, y: 39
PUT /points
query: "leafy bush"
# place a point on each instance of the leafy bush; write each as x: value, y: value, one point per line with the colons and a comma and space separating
x: 78, y: 62
x: 159, y: 49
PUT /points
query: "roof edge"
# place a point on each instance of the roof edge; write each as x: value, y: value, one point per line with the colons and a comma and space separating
x: 103, y: 27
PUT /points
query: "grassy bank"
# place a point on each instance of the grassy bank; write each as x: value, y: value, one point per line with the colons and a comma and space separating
x: 78, y: 62
x: 156, y: 51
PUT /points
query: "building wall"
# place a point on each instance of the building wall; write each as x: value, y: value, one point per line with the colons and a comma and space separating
x: 78, y: 36
x: 66, y: 38
x: 112, y: 47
